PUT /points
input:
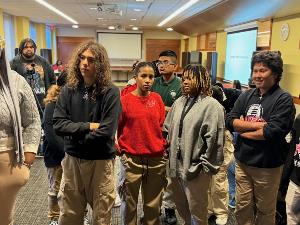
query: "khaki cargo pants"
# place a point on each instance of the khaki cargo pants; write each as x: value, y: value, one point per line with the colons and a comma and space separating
x: 86, y: 181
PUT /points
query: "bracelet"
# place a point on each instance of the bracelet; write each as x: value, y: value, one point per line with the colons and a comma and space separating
x: 28, y: 165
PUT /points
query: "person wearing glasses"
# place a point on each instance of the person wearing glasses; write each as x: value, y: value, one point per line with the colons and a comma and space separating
x: 262, y: 116
x: 86, y: 115
x: 168, y: 86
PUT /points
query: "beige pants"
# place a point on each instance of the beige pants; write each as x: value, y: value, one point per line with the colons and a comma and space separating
x: 256, y: 194
x: 12, y: 178
x: 292, y: 200
x: 191, y: 198
x: 149, y: 175
x: 54, y: 179
x: 218, y: 190
x: 86, y: 181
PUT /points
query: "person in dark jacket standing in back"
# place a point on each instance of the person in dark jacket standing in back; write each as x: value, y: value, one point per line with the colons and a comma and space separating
x: 262, y: 116
x: 37, y: 70
x: 53, y: 147
x: 86, y: 114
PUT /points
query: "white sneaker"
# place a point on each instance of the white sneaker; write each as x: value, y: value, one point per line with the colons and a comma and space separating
x: 221, y: 220
x: 53, y: 222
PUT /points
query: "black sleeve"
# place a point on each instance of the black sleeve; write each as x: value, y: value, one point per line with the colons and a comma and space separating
x: 281, y: 119
x: 236, y: 112
x: 13, y: 65
x: 55, y: 141
x: 109, y: 121
x: 63, y: 125
x: 51, y: 76
x: 289, y: 163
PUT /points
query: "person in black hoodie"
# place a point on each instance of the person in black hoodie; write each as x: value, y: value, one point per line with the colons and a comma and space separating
x: 292, y: 198
x: 86, y: 115
x: 262, y: 116
x: 53, y: 147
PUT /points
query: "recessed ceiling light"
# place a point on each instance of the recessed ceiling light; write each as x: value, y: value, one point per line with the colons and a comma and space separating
x: 75, y: 26
x: 93, y: 8
x: 134, y: 28
x: 111, y: 27
x: 99, y: 18
x: 133, y: 19
x: 137, y: 10
x: 169, y: 29
x: 53, y: 9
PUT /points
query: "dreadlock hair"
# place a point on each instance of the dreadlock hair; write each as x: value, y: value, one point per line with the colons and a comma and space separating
x: 270, y: 59
x: 102, y: 66
x: 203, y: 82
x: 142, y: 65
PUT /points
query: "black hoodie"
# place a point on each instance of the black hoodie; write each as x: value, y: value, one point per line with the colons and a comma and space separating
x: 276, y: 107
x: 72, y: 115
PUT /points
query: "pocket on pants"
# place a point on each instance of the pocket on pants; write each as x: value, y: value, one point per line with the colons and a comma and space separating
x: 103, y: 204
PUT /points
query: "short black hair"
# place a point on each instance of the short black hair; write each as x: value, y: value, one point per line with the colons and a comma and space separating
x: 169, y: 53
x: 237, y: 84
x: 24, y: 42
x: 270, y: 59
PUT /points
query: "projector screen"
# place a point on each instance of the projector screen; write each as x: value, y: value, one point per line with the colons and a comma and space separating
x: 239, y: 50
x: 127, y: 46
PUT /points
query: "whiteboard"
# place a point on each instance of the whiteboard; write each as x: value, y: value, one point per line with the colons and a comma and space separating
x: 122, y: 45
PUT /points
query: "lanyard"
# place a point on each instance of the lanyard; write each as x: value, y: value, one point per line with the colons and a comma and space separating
x: 183, y: 114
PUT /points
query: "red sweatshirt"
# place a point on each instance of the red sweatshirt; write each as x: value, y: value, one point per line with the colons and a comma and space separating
x: 140, y: 125
x: 128, y: 89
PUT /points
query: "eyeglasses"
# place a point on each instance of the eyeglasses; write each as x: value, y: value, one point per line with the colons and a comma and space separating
x: 164, y: 63
x: 90, y: 60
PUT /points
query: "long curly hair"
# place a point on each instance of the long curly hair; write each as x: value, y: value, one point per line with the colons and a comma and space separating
x: 103, y: 73
x: 203, y: 81
x: 52, y: 94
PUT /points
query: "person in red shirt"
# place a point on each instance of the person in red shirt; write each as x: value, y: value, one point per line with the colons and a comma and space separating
x: 142, y: 147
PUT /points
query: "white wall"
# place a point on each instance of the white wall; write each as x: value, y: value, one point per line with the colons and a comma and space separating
x: 91, y: 32
x: 79, y: 32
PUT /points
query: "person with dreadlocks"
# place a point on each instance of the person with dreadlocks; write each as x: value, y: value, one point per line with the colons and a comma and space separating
x: 195, y: 132
x: 86, y: 114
